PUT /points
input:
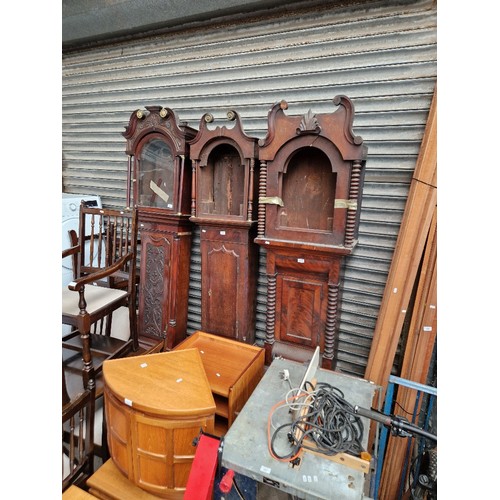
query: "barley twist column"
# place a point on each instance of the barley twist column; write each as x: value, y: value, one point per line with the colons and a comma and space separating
x: 262, y: 193
x: 270, y: 316
x: 353, y: 206
x: 331, y: 326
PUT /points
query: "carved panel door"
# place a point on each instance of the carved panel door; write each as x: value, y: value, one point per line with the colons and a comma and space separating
x: 154, y: 282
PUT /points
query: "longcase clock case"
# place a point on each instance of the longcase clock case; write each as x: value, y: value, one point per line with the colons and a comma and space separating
x: 224, y: 206
x: 160, y: 187
x: 311, y: 179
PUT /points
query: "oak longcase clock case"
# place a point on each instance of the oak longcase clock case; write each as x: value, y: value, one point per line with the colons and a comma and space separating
x: 311, y: 179
x: 160, y: 186
x: 224, y: 206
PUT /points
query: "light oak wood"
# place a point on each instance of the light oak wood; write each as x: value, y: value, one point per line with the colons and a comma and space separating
x: 350, y: 461
x: 76, y: 493
x: 233, y: 370
x: 156, y: 405
x: 108, y: 483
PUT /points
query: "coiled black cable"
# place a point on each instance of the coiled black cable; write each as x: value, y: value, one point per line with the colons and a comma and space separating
x: 329, y: 422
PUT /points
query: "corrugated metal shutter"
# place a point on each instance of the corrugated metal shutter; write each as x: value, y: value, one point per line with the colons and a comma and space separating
x: 381, y: 55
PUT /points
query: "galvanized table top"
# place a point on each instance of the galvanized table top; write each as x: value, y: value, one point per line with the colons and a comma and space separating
x: 245, y: 448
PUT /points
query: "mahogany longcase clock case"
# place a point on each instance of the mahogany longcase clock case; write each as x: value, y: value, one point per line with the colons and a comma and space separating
x: 160, y: 186
x: 311, y: 179
x: 225, y: 207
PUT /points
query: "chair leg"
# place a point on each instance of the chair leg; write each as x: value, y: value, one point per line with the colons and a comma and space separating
x: 104, y: 441
x: 133, y: 328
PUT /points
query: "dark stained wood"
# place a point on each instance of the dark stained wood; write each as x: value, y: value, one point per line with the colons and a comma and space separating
x: 224, y: 205
x: 160, y: 188
x: 310, y: 189
x: 105, y: 281
x: 78, y: 414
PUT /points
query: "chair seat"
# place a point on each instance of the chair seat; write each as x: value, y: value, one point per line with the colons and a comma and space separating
x: 97, y: 297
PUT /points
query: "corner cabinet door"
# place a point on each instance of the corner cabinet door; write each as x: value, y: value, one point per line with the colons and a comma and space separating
x: 155, y: 277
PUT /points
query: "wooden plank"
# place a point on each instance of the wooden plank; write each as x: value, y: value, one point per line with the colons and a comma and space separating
x: 356, y: 463
x: 76, y: 493
x: 412, y: 236
x: 108, y: 483
x: 416, y: 363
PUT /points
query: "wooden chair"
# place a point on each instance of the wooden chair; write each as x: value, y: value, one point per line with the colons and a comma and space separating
x: 104, y: 256
x: 78, y: 413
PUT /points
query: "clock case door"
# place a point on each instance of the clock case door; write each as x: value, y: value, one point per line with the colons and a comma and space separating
x: 224, y: 206
x: 311, y: 179
x: 160, y: 186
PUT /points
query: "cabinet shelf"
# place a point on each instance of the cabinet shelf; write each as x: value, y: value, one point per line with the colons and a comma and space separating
x: 233, y: 370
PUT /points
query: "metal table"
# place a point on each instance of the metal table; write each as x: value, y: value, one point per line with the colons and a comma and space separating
x: 245, y: 448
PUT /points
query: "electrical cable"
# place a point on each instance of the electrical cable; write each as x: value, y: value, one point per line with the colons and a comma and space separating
x: 271, y: 437
x: 236, y: 487
x: 329, y: 422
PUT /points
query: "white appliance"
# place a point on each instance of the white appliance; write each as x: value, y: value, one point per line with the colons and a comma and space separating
x: 70, y: 220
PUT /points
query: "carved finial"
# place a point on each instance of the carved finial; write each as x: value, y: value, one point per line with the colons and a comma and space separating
x: 231, y: 115
x: 283, y: 104
x: 163, y: 113
x: 140, y: 114
x: 309, y: 123
x: 208, y: 118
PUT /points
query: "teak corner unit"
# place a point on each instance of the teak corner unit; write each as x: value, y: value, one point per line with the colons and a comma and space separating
x: 311, y: 180
x: 224, y: 206
x: 156, y: 405
x: 159, y: 185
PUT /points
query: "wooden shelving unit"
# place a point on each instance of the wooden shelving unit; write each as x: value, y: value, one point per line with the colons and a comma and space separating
x: 233, y: 370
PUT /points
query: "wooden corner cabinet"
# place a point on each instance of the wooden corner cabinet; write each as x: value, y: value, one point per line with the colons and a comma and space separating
x: 160, y: 187
x: 233, y: 369
x: 311, y: 180
x: 156, y: 405
x: 224, y: 206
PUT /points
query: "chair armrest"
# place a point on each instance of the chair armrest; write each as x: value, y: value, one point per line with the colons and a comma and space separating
x: 70, y: 251
x: 77, y: 284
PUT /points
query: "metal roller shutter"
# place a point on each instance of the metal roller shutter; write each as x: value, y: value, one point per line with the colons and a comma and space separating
x: 380, y: 54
